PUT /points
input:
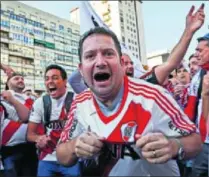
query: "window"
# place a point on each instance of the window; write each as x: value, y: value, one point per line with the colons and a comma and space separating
x: 61, y: 27
x: 121, y: 19
x: 33, y: 17
x: 9, y: 9
x: 123, y: 38
x: 129, y: 47
x: 53, y: 25
x: 69, y: 30
x: 21, y: 13
x: 43, y: 21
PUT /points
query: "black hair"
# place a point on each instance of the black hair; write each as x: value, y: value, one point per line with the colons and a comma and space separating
x: 191, y: 56
x: 98, y: 30
x: 203, y: 39
x: 61, y: 69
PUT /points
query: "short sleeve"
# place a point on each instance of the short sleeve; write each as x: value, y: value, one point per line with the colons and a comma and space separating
x: 169, y: 118
x: 36, y: 115
x: 73, y: 126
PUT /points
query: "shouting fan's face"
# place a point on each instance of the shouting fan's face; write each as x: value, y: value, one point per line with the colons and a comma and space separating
x: 55, y: 84
x: 101, y: 66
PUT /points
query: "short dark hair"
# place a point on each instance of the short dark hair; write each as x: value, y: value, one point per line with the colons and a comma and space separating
x: 98, y: 30
x: 191, y: 56
x: 204, y: 38
x: 61, y: 69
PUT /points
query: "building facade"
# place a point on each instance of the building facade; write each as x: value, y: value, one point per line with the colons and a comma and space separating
x: 32, y: 39
x: 125, y: 19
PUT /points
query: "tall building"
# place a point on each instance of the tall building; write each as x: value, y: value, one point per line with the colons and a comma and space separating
x: 126, y: 20
x: 32, y: 39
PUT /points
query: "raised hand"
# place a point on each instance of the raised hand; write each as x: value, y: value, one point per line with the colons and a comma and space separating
x: 7, y: 95
x: 194, y: 21
x: 7, y: 69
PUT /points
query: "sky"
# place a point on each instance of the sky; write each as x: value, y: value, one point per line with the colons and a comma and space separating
x: 164, y: 21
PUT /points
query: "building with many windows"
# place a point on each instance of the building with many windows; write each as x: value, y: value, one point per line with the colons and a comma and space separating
x: 126, y: 20
x: 32, y: 39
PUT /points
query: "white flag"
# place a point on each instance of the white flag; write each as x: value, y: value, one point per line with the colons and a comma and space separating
x: 89, y: 19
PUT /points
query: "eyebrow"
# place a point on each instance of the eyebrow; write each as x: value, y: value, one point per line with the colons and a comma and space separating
x: 52, y: 75
x: 105, y: 49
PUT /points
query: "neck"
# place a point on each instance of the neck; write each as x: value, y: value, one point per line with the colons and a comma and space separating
x: 16, y: 90
x: 108, y: 100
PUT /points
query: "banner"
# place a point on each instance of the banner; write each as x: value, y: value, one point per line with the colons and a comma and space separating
x: 89, y: 19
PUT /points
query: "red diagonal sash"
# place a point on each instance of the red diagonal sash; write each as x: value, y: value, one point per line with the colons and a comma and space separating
x: 9, y: 131
x: 13, y: 126
x: 54, y: 135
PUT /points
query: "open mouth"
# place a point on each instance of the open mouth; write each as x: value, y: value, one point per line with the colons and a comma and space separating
x: 52, y: 89
x: 101, y: 77
x: 129, y: 73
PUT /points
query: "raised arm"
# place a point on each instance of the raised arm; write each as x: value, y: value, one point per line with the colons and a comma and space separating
x: 6, y: 69
x: 194, y: 21
x: 21, y: 109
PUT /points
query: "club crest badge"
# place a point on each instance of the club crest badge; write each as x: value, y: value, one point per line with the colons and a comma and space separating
x: 128, y: 131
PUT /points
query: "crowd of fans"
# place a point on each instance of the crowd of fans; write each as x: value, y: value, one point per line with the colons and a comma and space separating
x: 112, y: 124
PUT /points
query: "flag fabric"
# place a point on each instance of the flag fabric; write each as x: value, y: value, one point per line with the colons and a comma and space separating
x: 90, y: 19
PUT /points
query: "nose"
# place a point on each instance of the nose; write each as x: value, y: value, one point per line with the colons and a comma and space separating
x: 196, y: 54
x: 100, y: 61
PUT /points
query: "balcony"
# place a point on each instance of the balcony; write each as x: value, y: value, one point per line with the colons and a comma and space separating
x: 11, y: 63
x: 4, y: 40
x: 15, y: 53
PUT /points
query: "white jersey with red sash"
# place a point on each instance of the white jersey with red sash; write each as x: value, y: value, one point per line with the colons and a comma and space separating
x: 144, y: 108
x: 190, y: 110
x: 55, y: 126
x: 14, y: 132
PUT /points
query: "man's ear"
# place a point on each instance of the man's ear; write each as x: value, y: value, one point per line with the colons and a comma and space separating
x: 122, y: 60
x: 80, y: 69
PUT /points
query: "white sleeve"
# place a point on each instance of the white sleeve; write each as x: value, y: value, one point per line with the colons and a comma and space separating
x: 37, y: 112
x: 11, y: 111
x: 168, y: 118
x: 73, y: 126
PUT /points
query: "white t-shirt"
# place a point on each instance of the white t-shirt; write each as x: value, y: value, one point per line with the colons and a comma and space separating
x: 144, y: 108
x: 55, y: 124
